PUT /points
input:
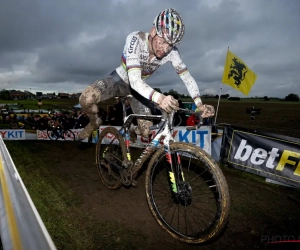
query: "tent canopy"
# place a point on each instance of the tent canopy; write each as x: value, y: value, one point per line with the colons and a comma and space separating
x: 77, y: 106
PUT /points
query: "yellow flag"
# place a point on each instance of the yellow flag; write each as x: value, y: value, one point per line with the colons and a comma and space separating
x: 237, y: 74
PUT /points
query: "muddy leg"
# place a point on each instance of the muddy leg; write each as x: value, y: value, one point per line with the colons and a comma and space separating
x: 88, y: 100
x: 143, y: 125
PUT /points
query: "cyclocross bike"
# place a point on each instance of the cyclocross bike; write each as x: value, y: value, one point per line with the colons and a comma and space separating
x: 186, y: 190
x: 59, y: 132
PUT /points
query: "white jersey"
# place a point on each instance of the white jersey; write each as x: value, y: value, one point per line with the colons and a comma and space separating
x: 135, y: 67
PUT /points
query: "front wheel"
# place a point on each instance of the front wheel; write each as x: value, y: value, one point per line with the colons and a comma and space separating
x: 177, y: 121
x: 68, y: 135
x: 191, y: 203
x: 110, y: 154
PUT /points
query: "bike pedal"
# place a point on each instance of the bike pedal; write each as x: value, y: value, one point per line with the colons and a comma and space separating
x: 134, y: 183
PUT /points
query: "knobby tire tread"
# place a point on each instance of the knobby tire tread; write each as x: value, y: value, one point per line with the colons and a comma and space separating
x: 104, y: 132
x: 220, y: 182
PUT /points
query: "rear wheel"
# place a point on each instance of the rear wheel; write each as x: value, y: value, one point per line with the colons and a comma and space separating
x: 110, y: 155
x: 191, y: 204
x: 52, y: 134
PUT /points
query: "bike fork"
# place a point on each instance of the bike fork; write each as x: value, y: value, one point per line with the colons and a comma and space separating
x: 175, y: 170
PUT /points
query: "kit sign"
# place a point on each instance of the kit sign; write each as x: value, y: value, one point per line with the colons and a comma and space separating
x: 12, y: 134
x: 268, y: 156
x: 200, y: 138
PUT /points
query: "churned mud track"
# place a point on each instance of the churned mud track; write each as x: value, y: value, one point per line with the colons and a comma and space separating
x: 259, y: 211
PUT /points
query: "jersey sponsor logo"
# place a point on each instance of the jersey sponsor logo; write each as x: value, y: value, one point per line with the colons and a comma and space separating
x: 130, y: 59
x: 143, y: 57
x: 131, y: 45
x: 147, y: 64
x: 149, y: 67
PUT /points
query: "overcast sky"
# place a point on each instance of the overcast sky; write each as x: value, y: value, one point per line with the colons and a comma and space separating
x: 64, y: 45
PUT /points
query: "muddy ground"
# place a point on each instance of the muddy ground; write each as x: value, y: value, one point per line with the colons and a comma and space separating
x: 260, y: 212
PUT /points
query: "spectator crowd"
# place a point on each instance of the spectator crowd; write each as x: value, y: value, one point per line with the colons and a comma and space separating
x: 75, y: 119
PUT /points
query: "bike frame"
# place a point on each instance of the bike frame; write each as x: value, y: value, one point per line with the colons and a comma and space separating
x: 164, y: 134
x: 165, y: 129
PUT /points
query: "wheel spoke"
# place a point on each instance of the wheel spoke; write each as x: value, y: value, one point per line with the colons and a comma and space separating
x: 193, y: 213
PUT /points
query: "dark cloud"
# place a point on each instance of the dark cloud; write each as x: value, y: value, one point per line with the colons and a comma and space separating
x: 66, y: 45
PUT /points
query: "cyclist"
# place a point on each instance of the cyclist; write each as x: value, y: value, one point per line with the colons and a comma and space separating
x: 56, y: 121
x: 143, y: 53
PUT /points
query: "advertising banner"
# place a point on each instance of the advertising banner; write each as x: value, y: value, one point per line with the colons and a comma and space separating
x: 272, y: 156
x: 12, y: 134
x: 42, y: 135
x: 200, y: 138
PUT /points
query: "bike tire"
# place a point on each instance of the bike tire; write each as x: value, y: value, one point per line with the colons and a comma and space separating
x: 117, y: 152
x: 52, y: 135
x: 202, y: 212
x: 68, y: 135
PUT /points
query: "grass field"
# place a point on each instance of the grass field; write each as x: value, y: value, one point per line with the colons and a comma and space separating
x: 62, y: 103
x: 276, y: 117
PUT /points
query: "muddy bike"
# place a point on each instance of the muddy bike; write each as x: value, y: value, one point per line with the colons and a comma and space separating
x: 186, y: 190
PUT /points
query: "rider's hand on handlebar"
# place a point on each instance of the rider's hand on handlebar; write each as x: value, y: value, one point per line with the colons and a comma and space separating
x: 207, y: 110
x: 168, y: 103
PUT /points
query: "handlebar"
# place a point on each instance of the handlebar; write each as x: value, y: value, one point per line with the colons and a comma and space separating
x: 167, y: 116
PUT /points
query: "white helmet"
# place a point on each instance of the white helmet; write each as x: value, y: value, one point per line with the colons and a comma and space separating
x: 169, y: 25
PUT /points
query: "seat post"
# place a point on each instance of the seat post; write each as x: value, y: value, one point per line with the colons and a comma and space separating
x: 123, y: 100
x: 124, y: 107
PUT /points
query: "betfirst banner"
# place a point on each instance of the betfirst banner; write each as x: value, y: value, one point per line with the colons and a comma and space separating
x: 272, y: 156
x: 200, y: 138
x: 12, y: 134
